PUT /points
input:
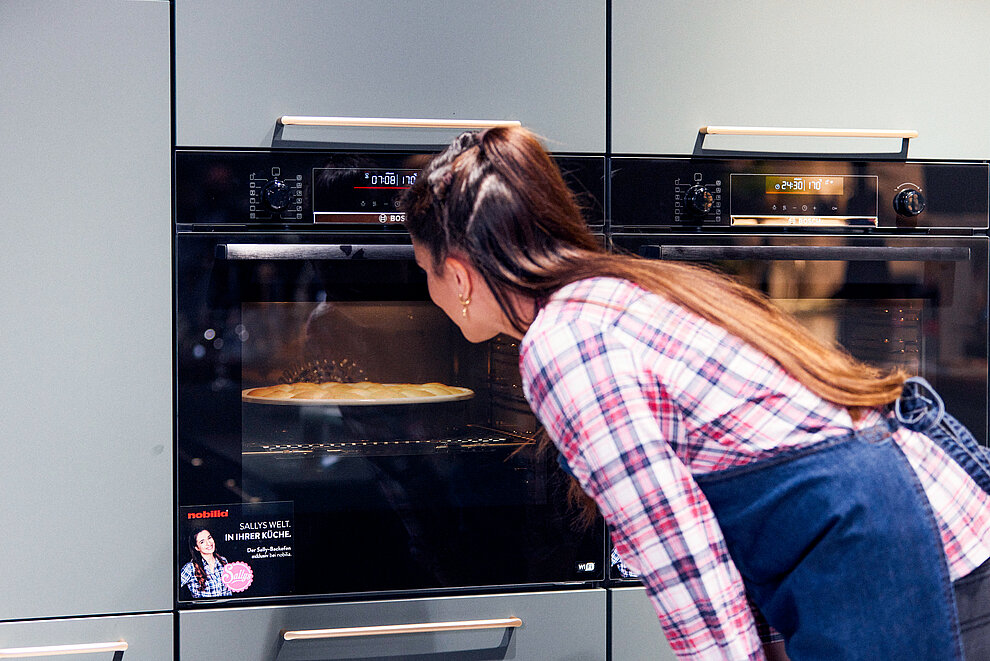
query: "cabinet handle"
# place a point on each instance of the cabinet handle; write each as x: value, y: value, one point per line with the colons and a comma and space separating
x: 58, y: 650
x: 388, y: 629
x: 396, y: 122
x: 817, y: 133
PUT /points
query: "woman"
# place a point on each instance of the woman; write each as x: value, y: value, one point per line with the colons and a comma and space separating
x: 203, y: 571
x: 729, y: 451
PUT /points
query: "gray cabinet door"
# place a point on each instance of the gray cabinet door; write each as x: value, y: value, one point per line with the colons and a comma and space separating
x: 240, y: 64
x: 553, y: 626
x: 894, y: 64
x: 85, y: 269
x: 147, y: 638
x: 636, y: 633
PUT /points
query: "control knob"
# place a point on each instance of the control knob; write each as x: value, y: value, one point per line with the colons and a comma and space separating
x: 276, y: 195
x: 698, y: 200
x: 909, y: 202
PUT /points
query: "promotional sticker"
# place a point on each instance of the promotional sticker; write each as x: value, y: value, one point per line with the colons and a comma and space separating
x: 237, y: 549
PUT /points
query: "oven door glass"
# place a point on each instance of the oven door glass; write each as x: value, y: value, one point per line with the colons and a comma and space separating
x: 339, y: 489
x: 916, y: 303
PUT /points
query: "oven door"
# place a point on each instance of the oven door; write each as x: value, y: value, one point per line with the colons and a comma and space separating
x: 352, y: 496
x: 919, y: 303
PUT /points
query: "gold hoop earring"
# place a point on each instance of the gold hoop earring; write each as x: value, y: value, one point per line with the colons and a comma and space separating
x: 465, y: 302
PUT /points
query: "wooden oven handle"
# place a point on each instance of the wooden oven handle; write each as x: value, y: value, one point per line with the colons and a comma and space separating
x: 396, y: 122
x: 390, y: 629
x: 58, y: 650
x: 809, y: 132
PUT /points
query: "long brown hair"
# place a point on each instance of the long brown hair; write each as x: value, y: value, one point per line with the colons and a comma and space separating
x: 497, y: 198
x: 199, y: 565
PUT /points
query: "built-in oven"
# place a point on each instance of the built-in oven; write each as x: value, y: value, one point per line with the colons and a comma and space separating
x: 335, y: 434
x: 887, y: 258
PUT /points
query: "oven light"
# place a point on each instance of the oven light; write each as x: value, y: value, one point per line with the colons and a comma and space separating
x: 209, y: 334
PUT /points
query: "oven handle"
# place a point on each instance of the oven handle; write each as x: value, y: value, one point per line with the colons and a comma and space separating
x: 807, y: 132
x: 286, y: 251
x: 396, y: 122
x: 388, y: 629
x: 809, y: 253
x: 59, y: 650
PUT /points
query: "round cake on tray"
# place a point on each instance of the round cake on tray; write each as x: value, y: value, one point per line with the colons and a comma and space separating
x: 362, y: 392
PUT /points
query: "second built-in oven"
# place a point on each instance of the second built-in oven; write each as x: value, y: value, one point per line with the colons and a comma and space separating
x: 336, y: 435
x: 887, y: 259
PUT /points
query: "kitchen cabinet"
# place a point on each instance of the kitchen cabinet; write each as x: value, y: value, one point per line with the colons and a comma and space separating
x: 552, y: 626
x: 890, y: 64
x: 239, y: 65
x: 85, y: 445
x: 139, y: 637
x: 635, y: 632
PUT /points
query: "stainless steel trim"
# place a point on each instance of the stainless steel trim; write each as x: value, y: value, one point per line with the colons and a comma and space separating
x: 59, y: 650
x: 395, y: 122
x: 816, y: 253
x: 389, y: 629
x: 286, y: 251
x: 810, y: 132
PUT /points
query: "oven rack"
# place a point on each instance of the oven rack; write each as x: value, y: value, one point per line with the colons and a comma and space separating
x: 472, y: 443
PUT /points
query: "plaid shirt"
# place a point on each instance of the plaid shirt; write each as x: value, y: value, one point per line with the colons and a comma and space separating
x: 214, y: 586
x: 639, y: 394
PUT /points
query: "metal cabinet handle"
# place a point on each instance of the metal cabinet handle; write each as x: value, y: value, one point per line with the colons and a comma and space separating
x: 817, y: 133
x: 395, y: 122
x: 284, y: 251
x: 389, y: 629
x: 809, y: 253
x: 58, y: 650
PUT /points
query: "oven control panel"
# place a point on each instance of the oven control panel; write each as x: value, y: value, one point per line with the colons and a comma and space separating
x: 694, y: 193
x: 349, y: 191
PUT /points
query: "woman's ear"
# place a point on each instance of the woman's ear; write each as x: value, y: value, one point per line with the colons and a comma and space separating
x: 460, y: 273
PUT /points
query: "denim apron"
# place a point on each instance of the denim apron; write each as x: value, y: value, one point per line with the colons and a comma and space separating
x: 837, y: 544
x: 921, y: 409
x: 840, y: 551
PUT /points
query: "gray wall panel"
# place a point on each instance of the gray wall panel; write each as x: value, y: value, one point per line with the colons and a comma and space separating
x: 636, y: 631
x: 85, y: 445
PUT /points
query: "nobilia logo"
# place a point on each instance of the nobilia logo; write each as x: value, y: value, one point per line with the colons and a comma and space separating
x: 208, y: 514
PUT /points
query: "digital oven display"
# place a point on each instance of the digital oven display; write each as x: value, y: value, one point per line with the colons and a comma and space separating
x: 804, y: 185
x: 836, y: 200
x: 360, y: 195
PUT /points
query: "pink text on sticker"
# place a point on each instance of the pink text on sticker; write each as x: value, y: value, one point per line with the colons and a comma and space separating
x: 237, y: 576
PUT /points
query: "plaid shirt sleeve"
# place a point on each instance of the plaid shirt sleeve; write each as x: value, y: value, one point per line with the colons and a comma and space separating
x: 612, y: 422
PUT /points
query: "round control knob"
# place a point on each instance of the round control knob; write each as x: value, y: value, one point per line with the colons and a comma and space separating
x: 909, y: 202
x: 698, y: 200
x: 276, y: 195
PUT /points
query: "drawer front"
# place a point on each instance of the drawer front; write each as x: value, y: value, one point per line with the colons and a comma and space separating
x: 567, y: 625
x: 240, y: 64
x: 636, y: 631
x: 147, y: 637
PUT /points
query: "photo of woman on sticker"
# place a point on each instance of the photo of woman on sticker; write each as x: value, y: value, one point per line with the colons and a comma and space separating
x: 202, y: 574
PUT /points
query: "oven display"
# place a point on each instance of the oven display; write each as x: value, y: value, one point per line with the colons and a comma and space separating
x: 823, y: 200
x: 360, y: 195
x: 803, y: 185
